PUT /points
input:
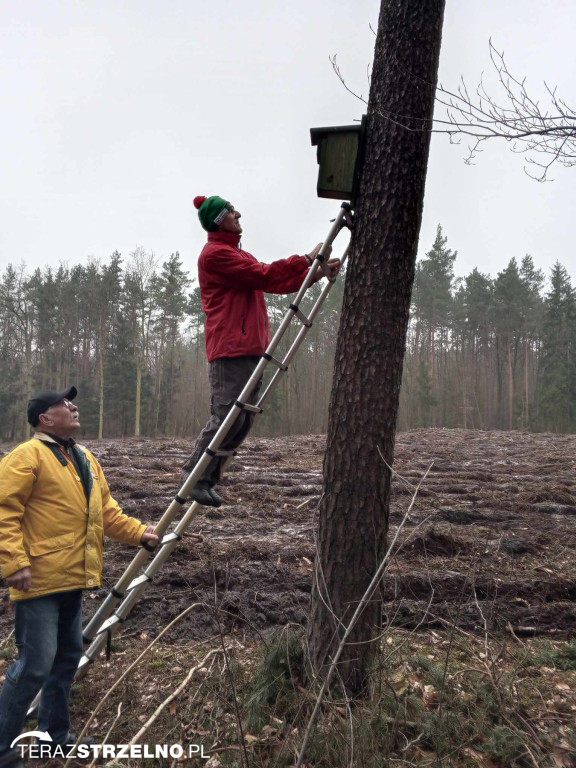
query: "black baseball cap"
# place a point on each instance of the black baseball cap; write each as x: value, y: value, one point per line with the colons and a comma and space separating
x: 43, y: 400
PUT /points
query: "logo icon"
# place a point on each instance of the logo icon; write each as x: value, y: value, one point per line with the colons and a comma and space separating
x: 40, y: 735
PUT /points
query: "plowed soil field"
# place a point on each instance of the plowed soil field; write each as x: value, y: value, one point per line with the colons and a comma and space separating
x: 491, y: 538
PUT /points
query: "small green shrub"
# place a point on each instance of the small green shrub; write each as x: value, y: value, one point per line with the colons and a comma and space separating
x: 272, y: 687
x: 563, y: 658
x: 435, y: 672
x: 505, y: 746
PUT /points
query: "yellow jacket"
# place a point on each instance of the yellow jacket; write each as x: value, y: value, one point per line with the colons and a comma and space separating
x: 47, y: 524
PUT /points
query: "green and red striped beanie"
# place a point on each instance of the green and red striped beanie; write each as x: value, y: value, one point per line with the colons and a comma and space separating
x: 211, y: 211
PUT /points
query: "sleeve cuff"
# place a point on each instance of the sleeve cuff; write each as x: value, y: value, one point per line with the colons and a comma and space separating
x: 14, y: 566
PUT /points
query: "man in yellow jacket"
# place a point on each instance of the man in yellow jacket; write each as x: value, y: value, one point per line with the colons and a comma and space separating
x: 55, y: 508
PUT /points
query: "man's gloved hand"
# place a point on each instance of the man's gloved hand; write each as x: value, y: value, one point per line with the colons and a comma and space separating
x: 21, y: 580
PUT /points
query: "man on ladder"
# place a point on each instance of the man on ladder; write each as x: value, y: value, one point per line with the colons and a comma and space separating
x: 232, y: 285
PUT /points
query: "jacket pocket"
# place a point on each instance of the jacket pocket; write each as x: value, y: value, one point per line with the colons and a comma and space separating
x: 56, y: 543
x: 244, y: 326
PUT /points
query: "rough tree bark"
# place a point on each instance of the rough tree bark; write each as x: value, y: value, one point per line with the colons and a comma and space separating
x: 353, y: 514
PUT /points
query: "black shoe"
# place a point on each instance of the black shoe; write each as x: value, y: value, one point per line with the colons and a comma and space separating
x: 217, y: 500
x: 203, y: 494
x: 11, y: 758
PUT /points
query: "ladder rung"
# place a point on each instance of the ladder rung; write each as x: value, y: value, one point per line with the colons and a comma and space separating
x: 219, y: 452
x: 301, y: 316
x: 139, y: 580
x: 324, y: 268
x: 109, y: 623
x: 326, y: 272
x: 271, y: 359
x: 248, y: 407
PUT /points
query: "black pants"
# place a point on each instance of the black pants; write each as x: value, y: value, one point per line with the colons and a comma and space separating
x: 228, y: 376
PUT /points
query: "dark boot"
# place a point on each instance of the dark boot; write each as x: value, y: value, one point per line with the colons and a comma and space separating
x: 86, y: 741
x: 202, y: 494
x: 217, y: 500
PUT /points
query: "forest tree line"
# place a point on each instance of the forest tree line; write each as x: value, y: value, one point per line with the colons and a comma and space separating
x: 482, y: 352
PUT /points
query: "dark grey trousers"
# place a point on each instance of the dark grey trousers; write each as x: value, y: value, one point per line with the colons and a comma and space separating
x: 227, y: 376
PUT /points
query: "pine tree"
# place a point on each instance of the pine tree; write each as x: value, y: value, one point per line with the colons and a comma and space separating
x: 478, y: 308
x: 106, y: 291
x: 353, y: 512
x: 170, y: 291
x: 139, y: 307
x: 432, y: 304
x: 532, y: 313
x: 557, y: 402
x: 17, y: 294
x: 508, y: 314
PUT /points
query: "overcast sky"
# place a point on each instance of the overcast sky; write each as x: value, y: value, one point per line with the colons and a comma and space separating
x: 114, y: 114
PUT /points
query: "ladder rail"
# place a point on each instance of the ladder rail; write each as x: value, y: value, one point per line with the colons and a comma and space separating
x: 118, y: 592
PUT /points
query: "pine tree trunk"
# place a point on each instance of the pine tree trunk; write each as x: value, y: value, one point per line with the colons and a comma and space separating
x: 353, y: 513
x: 28, y: 379
x: 138, y: 397
x: 432, y: 365
x: 101, y: 395
x: 313, y: 404
x: 158, y: 386
x: 526, y: 384
x: 417, y: 405
x: 464, y: 385
x: 510, y: 388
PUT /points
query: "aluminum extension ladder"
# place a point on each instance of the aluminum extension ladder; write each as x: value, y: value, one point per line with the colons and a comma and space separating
x: 128, y: 590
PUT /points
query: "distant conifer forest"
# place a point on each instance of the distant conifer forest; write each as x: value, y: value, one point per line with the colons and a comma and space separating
x: 482, y: 352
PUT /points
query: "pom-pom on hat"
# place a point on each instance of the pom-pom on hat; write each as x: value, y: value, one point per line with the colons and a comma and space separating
x: 211, y: 211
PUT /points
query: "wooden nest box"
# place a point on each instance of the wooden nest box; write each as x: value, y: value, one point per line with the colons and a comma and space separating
x: 340, y: 155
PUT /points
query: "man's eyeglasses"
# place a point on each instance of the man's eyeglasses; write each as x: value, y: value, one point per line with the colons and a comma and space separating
x: 64, y: 402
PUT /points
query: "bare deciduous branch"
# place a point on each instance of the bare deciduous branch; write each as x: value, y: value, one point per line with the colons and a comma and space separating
x: 545, y: 135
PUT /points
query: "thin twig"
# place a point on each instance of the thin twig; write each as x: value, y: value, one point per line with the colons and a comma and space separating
x: 109, y: 731
x: 122, y: 677
x: 175, y: 693
x: 235, y: 694
x: 5, y: 641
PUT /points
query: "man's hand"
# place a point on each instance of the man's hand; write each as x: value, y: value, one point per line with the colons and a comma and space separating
x: 312, y: 255
x: 21, y: 580
x: 149, y: 536
x: 334, y: 265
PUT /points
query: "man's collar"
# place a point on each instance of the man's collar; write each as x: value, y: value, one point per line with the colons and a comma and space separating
x: 50, y: 438
x: 229, y: 238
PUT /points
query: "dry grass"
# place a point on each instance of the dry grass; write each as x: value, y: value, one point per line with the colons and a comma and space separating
x: 438, y: 698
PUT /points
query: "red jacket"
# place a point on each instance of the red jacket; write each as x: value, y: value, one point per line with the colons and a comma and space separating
x: 231, y: 286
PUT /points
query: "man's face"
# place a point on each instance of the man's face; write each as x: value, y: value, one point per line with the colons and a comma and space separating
x: 231, y: 222
x: 61, y: 419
